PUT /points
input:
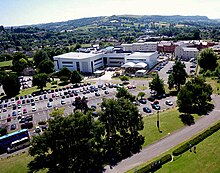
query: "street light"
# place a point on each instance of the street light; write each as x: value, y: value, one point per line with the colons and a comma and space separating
x: 158, y: 121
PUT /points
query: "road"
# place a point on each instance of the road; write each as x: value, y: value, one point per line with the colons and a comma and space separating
x: 168, y: 142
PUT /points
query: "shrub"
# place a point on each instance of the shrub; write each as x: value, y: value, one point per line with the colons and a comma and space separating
x: 183, y: 148
x: 153, y: 166
x: 42, y: 123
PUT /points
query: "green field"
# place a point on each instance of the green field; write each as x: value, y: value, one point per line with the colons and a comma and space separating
x: 206, y: 159
x: 214, y: 84
x: 6, y: 63
x: 9, y: 63
x: 169, y: 122
x: 16, y: 164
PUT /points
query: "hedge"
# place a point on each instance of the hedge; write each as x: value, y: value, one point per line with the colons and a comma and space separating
x: 183, y: 148
x: 153, y: 166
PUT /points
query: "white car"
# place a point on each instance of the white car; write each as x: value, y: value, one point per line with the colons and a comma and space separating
x: 19, y: 112
x: 49, y: 104
x: 63, y: 102
x: 33, y: 109
x: 168, y: 102
x: 36, y: 99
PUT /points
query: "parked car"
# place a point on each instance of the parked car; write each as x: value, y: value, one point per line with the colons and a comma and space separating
x: 147, y: 110
x: 33, y: 108
x: 155, y: 106
x: 49, y: 105
x: 97, y: 94
x: 93, y: 106
x: 13, y: 127
x: 106, y: 92
x: 24, y: 111
x: 14, y: 113
x: 143, y: 101
x: 27, y: 125
x: 168, y: 102
x: 63, y: 102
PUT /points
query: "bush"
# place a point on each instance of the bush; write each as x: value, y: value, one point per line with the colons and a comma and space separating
x: 153, y: 166
x: 183, y: 148
x: 42, y: 123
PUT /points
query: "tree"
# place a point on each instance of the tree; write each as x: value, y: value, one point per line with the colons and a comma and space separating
x: 19, y: 62
x: 64, y: 72
x: 123, y: 92
x: 208, y: 59
x: 3, y: 131
x: 195, y: 97
x: 185, y: 100
x: 75, y: 77
x: 81, y: 104
x: 46, y: 66
x: 70, y: 144
x: 122, y: 122
x: 178, y: 75
x: 140, y: 94
x: 124, y: 78
x: 40, y: 80
x: 11, y: 85
x: 57, y: 112
x: 39, y: 56
x: 157, y: 85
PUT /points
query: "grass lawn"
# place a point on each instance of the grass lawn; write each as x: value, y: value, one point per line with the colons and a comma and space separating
x: 169, y: 122
x: 214, y: 84
x: 9, y: 63
x: 16, y: 164
x: 6, y: 63
x: 206, y: 159
x: 32, y: 89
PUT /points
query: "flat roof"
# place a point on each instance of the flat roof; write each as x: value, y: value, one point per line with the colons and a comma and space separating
x: 191, y: 49
x: 77, y: 55
x: 141, y: 54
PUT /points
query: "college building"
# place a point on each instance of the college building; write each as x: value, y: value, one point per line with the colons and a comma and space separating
x: 186, y: 53
x: 90, y: 62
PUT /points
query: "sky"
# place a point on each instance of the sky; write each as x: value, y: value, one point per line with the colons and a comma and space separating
x: 26, y: 12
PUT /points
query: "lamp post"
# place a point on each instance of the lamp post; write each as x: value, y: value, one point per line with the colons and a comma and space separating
x: 158, y: 121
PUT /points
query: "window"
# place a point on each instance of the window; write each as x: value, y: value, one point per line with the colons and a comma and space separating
x: 98, y: 63
x: 67, y: 62
x: 98, y: 59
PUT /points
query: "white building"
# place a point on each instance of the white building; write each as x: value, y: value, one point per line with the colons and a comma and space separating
x: 83, y: 62
x: 150, y: 58
x: 186, y: 53
x: 142, y: 47
x: 90, y: 62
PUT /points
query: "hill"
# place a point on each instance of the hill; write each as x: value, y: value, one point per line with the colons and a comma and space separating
x: 121, y: 19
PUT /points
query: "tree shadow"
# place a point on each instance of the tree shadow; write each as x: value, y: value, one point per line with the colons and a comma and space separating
x: 203, y: 110
x: 173, y: 93
x: 187, y: 119
x: 63, y: 83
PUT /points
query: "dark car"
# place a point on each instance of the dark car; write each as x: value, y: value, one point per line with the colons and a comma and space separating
x: 13, y: 126
x: 151, y: 98
x: 143, y: 101
x: 93, y: 106
x: 147, y: 110
x: 155, y: 106
x: 106, y: 92
x: 27, y: 125
x: 97, y: 94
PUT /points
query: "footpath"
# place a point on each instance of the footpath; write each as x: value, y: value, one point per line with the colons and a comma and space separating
x: 167, y: 143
